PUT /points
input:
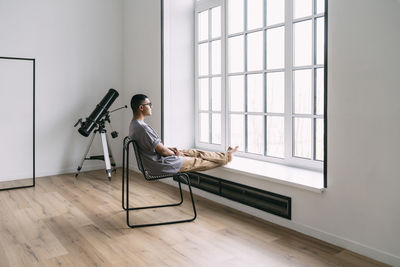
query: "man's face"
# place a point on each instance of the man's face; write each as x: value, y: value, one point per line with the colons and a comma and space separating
x: 146, y: 107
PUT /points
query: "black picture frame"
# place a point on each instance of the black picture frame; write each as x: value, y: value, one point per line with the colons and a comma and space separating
x: 33, y: 114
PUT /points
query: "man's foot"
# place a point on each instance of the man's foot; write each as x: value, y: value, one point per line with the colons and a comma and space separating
x: 232, y: 151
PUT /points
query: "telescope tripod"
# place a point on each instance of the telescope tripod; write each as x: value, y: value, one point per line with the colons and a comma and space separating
x: 107, y: 156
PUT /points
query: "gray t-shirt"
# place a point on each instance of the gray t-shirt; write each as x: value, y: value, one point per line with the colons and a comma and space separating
x: 147, y: 139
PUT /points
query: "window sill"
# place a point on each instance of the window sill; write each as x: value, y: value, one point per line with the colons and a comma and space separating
x: 296, y: 177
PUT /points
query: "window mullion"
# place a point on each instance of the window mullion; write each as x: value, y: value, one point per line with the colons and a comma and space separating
x: 225, y: 127
x: 288, y: 80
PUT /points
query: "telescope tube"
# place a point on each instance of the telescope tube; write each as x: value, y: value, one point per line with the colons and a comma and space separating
x: 100, y: 110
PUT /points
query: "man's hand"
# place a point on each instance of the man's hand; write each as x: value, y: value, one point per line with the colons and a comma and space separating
x: 176, y: 151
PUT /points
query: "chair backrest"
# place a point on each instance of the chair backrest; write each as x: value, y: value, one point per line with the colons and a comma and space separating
x: 139, y: 158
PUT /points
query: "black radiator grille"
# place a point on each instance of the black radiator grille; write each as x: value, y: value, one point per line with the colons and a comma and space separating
x: 267, y: 201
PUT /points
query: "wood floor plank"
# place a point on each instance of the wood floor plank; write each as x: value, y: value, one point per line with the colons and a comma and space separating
x: 68, y: 221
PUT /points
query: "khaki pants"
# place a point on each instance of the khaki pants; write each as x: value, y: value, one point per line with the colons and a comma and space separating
x: 199, y: 160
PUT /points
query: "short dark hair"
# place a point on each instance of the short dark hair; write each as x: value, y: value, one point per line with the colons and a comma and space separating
x: 136, y: 101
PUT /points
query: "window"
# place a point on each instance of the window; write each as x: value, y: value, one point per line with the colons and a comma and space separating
x: 260, y: 79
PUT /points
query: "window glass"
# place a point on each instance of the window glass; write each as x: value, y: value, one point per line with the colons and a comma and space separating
x: 255, y: 138
x: 203, y: 26
x: 216, y: 22
x: 302, y: 91
x: 255, y: 93
x: 236, y: 92
x: 235, y: 16
x: 302, y: 137
x: 216, y: 93
x: 276, y: 48
x: 203, y: 94
x: 216, y: 128
x: 319, y: 139
x: 320, y: 6
x: 319, y: 84
x: 320, y: 32
x: 255, y: 14
x: 216, y: 57
x: 302, y: 8
x: 302, y: 42
x: 236, y: 54
x: 275, y: 12
x: 204, y: 125
x: 203, y: 59
x: 255, y: 54
x: 275, y: 136
x: 276, y: 92
x: 237, y: 131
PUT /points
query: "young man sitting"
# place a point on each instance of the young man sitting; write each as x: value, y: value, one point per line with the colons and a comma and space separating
x: 158, y: 159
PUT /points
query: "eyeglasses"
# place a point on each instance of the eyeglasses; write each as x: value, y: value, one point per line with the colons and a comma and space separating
x: 150, y: 104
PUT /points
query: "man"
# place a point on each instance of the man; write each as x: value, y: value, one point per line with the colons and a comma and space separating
x: 158, y: 159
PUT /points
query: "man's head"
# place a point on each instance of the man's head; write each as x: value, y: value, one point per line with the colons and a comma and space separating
x: 141, y: 104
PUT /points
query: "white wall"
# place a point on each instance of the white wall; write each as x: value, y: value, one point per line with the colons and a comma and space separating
x: 179, y: 101
x: 359, y: 210
x: 78, y: 49
x: 142, y: 54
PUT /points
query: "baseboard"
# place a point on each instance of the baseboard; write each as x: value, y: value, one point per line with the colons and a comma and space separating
x: 351, y: 245
x: 68, y: 170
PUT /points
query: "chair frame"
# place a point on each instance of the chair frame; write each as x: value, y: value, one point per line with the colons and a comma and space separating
x: 125, y: 186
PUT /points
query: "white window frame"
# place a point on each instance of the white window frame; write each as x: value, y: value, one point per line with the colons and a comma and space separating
x: 202, y: 5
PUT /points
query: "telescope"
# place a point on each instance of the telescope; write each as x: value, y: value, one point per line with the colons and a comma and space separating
x: 96, y: 121
x: 101, y: 109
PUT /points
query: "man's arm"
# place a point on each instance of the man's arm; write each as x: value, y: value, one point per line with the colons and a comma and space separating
x: 164, y: 151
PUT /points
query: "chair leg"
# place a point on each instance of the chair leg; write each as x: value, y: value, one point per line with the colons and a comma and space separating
x: 127, y: 209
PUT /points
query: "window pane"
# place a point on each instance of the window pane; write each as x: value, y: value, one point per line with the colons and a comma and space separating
x: 276, y: 92
x: 236, y: 54
x: 203, y: 94
x: 216, y: 57
x: 320, y: 6
x: 319, y: 139
x: 320, y: 31
x: 275, y: 136
x: 302, y: 43
x: 276, y: 48
x: 216, y: 93
x: 302, y: 8
x: 204, y: 126
x: 236, y: 92
x: 255, y: 14
x: 255, y: 55
x: 275, y: 12
x: 237, y: 131
x: 203, y: 25
x: 203, y: 59
x: 302, y: 137
x: 255, y: 130
x: 319, y: 99
x: 302, y: 91
x: 216, y: 128
x: 255, y: 93
x: 216, y: 22
x: 235, y: 16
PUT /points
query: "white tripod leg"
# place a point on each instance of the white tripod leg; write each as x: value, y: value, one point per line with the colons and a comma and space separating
x: 106, y: 155
x: 84, y: 155
x: 111, y: 154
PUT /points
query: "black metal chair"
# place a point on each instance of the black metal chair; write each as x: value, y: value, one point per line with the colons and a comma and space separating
x: 125, y: 188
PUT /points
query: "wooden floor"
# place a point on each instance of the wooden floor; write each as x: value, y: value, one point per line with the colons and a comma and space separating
x: 65, y: 221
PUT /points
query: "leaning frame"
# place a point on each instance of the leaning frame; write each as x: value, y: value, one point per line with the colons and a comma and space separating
x: 33, y: 114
